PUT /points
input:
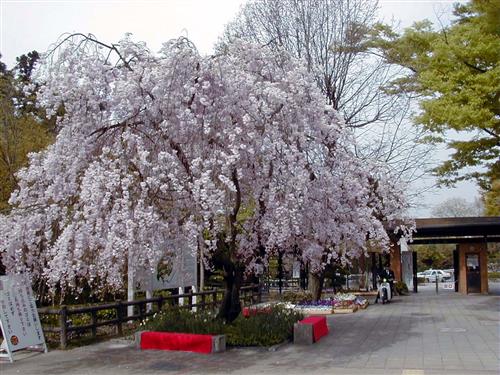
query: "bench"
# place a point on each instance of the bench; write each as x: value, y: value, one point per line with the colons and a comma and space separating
x: 188, y: 342
x: 309, y: 330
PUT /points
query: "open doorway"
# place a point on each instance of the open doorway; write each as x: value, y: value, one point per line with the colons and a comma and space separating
x: 437, y: 267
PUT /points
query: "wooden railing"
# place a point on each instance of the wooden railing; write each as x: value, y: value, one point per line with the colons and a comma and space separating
x: 143, y: 308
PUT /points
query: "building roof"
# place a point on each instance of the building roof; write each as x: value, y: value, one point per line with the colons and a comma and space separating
x: 457, y: 229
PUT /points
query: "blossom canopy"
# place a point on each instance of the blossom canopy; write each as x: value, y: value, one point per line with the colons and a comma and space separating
x: 156, y: 153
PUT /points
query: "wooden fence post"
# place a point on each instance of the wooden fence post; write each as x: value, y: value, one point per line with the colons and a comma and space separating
x: 203, y: 302
x: 190, y: 300
x: 142, y: 311
x: 63, y: 317
x: 93, y: 320
x: 160, y: 304
x: 119, y: 317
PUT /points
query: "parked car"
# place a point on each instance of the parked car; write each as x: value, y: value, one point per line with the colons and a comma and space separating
x: 424, y: 274
x: 430, y: 275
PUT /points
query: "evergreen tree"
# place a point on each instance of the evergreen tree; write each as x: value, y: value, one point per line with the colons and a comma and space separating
x: 22, y: 127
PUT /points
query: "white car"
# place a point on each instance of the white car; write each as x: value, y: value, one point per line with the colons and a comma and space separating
x: 430, y: 275
x: 424, y: 274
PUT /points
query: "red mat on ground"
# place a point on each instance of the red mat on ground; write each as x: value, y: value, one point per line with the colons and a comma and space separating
x: 176, y: 341
x: 320, y: 328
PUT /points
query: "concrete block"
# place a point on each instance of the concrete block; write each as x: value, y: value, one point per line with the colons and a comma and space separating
x: 138, y: 339
x: 218, y: 343
x: 303, y: 334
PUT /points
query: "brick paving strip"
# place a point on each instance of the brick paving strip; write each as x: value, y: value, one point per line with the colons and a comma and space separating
x: 420, y: 334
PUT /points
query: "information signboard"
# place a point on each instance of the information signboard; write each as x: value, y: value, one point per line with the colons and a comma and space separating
x: 19, y: 321
x: 181, y: 271
x: 450, y: 286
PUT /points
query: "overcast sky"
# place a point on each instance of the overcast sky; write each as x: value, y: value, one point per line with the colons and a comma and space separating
x: 27, y: 25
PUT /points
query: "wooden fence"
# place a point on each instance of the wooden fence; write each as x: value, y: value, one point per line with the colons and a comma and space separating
x: 143, y: 308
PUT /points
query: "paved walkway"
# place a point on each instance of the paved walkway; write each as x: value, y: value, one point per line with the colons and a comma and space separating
x: 420, y: 334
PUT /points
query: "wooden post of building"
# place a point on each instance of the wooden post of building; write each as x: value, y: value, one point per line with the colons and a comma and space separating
x: 456, y: 267
x: 415, y: 269
x: 395, y: 260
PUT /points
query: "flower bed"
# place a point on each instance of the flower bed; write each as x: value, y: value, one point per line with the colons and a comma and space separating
x: 344, y: 303
x: 322, y: 307
x: 361, y: 302
x: 341, y: 302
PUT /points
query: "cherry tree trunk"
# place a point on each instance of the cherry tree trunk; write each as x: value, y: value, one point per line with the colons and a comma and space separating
x: 231, y: 305
x: 315, y: 285
x: 362, y: 269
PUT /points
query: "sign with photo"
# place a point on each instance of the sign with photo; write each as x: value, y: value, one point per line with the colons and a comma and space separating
x: 177, y: 270
x: 19, y: 321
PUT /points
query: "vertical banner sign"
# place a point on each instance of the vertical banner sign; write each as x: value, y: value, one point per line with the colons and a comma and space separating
x: 19, y: 321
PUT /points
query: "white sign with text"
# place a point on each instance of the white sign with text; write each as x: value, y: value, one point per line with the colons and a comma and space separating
x: 19, y: 321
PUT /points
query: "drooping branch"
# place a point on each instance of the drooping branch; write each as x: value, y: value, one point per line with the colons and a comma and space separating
x: 91, y: 38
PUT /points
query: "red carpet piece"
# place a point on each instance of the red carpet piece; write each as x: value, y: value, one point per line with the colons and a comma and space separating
x: 177, y: 341
x: 320, y: 328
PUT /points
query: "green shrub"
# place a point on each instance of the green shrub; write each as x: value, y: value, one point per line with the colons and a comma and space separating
x: 421, y: 280
x: 263, y: 329
x: 297, y: 297
x: 109, y: 314
x: 175, y: 319
x: 401, y: 288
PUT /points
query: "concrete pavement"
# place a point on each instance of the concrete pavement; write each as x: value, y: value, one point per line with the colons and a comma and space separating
x: 420, y: 334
